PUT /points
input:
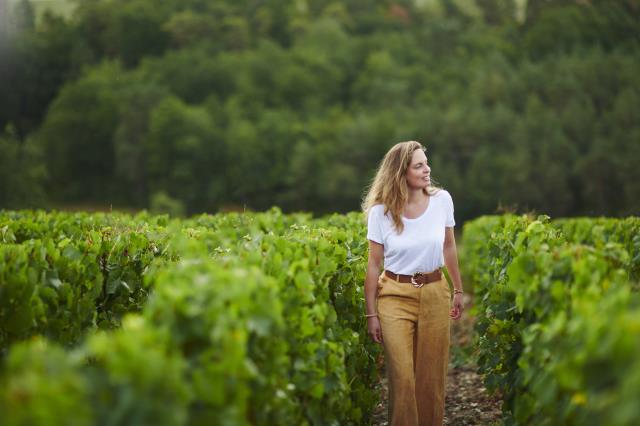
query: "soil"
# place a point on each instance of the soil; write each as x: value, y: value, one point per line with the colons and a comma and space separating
x: 467, y: 400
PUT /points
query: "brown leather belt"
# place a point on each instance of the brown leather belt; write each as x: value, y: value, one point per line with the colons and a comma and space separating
x: 418, y: 279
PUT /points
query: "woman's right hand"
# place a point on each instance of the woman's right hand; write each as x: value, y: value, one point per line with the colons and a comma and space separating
x: 375, y: 331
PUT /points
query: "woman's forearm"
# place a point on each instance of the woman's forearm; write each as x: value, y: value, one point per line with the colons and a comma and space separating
x: 451, y: 262
x: 371, y: 288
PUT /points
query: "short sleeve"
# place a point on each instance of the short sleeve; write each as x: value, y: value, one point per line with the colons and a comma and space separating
x: 374, y: 224
x: 450, y: 220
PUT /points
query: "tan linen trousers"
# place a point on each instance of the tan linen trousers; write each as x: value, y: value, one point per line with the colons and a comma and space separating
x: 415, y: 331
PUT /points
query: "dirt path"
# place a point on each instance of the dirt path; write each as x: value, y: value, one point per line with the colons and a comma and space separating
x: 467, y: 400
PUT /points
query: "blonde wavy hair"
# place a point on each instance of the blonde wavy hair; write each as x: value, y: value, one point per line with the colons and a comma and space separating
x: 389, y: 186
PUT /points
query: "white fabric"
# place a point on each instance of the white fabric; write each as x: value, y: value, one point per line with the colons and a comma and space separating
x: 420, y: 246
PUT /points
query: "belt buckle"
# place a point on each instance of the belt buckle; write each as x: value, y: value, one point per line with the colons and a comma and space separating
x: 413, y: 279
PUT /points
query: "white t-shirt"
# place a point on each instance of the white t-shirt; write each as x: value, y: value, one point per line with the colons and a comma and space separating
x: 419, y: 248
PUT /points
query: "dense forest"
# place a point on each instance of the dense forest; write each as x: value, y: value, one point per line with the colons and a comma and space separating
x: 197, y: 105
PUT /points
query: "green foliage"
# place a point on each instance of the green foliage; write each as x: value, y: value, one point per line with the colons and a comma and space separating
x: 293, y: 104
x: 44, y: 387
x: 135, y: 376
x: 179, y: 149
x: 77, y: 135
x: 70, y: 273
x: 316, y: 300
x: 253, y: 318
x: 562, y: 26
x: 21, y: 172
x: 162, y: 203
x: 551, y: 294
x: 580, y: 362
x: 130, y: 376
x: 600, y: 232
x: 228, y: 325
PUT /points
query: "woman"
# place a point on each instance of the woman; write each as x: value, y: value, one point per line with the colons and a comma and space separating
x: 410, y: 228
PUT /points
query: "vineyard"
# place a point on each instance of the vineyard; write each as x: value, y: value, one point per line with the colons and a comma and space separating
x: 257, y: 318
x: 558, y: 318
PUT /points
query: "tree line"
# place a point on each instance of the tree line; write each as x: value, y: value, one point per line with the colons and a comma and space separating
x: 196, y: 106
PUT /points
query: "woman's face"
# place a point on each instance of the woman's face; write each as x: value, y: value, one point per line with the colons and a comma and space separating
x: 419, y: 172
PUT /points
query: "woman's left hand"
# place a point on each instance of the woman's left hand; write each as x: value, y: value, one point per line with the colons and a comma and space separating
x: 458, y: 306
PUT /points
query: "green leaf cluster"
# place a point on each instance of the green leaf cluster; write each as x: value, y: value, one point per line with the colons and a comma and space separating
x: 557, y: 316
x: 62, y: 274
x: 250, y: 319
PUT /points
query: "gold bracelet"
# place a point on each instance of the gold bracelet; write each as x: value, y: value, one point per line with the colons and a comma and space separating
x: 370, y: 315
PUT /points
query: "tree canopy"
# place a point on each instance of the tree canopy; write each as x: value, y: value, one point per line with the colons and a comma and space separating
x: 248, y: 104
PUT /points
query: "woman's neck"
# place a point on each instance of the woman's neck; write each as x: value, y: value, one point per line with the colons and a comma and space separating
x: 416, y: 196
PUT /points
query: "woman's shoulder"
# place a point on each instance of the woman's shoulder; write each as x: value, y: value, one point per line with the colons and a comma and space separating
x: 377, y: 209
x: 444, y: 197
x: 442, y: 193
